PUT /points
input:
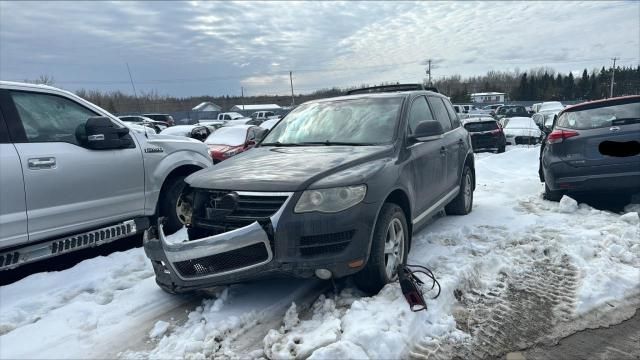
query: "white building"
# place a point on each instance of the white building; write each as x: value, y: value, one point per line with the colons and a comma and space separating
x: 256, y: 107
x: 207, y: 106
x: 488, y: 97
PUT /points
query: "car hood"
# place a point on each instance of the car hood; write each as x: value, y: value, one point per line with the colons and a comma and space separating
x: 284, y: 168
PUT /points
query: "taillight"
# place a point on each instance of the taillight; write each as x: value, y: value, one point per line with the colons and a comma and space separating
x: 558, y: 136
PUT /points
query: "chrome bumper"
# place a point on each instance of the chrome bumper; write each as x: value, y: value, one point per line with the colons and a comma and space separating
x: 186, y: 250
x: 214, y: 245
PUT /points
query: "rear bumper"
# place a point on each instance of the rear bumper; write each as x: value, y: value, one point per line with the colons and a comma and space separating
x: 561, y: 176
x: 487, y: 142
x: 288, y: 244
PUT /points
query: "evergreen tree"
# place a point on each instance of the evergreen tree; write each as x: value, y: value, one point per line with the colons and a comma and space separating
x: 584, y: 86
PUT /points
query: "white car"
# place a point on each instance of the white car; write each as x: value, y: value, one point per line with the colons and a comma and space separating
x: 548, y: 110
x: 522, y: 130
x: 268, y: 124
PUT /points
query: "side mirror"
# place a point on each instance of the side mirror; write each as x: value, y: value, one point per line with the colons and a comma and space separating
x: 100, y: 133
x: 427, y: 129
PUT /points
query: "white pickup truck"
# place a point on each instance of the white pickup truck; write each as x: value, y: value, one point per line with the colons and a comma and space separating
x: 74, y: 176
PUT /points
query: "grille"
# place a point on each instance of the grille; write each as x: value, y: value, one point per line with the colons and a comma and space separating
x: 227, y: 261
x: 9, y: 258
x: 210, y: 211
x: 325, y: 244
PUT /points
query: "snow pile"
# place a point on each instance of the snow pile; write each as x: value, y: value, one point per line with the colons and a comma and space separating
x: 159, y: 329
x: 518, y: 264
x: 586, y: 258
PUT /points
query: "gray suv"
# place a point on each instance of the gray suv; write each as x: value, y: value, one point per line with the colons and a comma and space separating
x: 74, y: 176
x: 593, y: 147
x: 336, y: 188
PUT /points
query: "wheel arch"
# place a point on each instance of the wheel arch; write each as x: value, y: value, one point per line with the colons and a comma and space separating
x: 182, y: 170
x: 400, y: 198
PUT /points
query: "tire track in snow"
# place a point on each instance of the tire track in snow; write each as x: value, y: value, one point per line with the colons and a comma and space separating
x: 518, y: 311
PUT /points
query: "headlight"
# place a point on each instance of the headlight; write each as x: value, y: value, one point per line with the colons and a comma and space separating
x: 331, y: 200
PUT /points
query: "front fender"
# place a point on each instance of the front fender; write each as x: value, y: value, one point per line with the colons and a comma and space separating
x: 165, y: 166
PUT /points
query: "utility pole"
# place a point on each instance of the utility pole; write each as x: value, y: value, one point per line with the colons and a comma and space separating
x: 293, y: 99
x: 429, y: 71
x: 613, y: 71
x: 134, y: 89
x: 242, y: 96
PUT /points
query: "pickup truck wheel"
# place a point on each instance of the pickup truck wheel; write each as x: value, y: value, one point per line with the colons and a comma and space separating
x: 388, y: 250
x: 168, y: 204
x: 463, y: 203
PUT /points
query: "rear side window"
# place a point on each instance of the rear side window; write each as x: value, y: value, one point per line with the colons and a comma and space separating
x: 419, y: 112
x: 50, y: 118
x: 481, y: 126
x: 607, y: 116
x: 441, y: 113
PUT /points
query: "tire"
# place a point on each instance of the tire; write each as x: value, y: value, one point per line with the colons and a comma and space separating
x: 552, y: 195
x: 168, y: 202
x: 384, y: 260
x: 463, y: 203
x: 501, y: 149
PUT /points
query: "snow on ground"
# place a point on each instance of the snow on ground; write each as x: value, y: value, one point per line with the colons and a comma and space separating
x: 515, y: 271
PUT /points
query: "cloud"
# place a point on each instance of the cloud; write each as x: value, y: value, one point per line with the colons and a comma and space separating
x: 194, y: 48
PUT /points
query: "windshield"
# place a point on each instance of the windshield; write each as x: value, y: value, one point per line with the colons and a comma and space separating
x: 354, y: 121
x: 601, y: 117
x: 230, y: 136
x: 481, y: 126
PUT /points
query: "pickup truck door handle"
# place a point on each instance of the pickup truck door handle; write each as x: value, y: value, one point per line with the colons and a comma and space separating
x: 42, y: 163
x: 460, y: 141
x: 443, y: 150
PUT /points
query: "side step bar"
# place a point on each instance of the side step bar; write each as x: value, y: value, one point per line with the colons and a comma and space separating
x: 10, y: 259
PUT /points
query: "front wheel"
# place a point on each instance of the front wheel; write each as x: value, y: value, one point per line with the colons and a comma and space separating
x: 168, y: 206
x: 463, y: 203
x: 389, y: 249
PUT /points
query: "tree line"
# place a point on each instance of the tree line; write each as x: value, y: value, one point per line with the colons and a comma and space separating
x: 536, y: 84
x: 544, y: 83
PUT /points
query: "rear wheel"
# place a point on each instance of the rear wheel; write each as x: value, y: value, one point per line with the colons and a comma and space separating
x: 168, y: 205
x: 463, y: 203
x: 389, y: 249
x: 501, y: 149
x: 552, y: 195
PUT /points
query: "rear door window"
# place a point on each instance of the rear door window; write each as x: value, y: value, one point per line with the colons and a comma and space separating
x: 455, y: 120
x: 441, y: 113
x: 419, y: 112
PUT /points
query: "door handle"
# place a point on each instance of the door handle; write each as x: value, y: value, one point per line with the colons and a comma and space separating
x: 443, y: 150
x: 460, y: 141
x: 42, y: 163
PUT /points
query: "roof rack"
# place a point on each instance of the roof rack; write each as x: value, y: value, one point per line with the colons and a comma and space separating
x: 391, y: 88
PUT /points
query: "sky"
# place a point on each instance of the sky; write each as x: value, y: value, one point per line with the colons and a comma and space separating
x: 217, y: 48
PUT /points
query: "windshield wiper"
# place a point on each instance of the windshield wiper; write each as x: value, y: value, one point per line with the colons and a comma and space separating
x: 624, y: 121
x: 278, y: 143
x: 335, y: 143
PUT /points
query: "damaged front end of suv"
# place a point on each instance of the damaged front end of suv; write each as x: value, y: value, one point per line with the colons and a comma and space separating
x: 334, y: 189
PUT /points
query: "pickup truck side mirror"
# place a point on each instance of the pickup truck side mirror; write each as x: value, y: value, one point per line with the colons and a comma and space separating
x: 100, y: 133
x: 427, y: 129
